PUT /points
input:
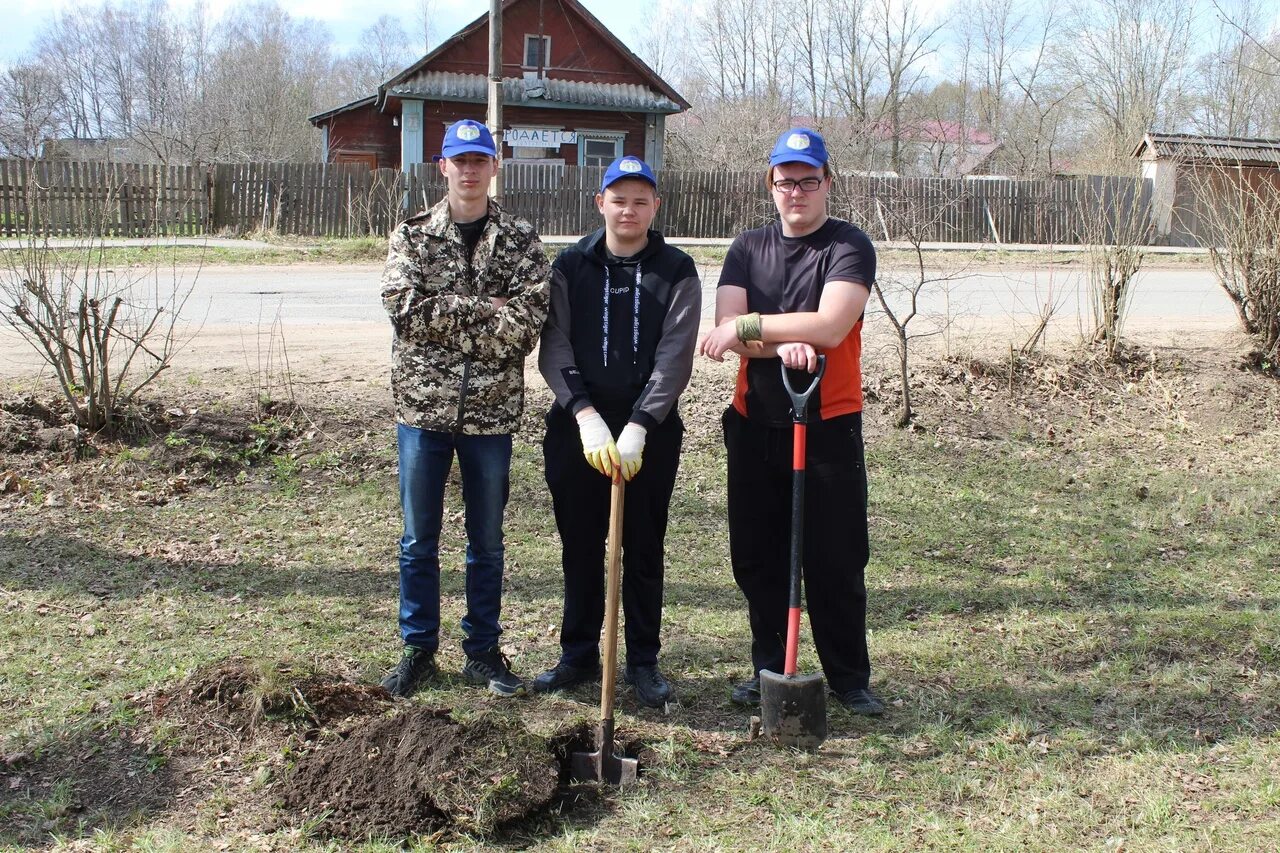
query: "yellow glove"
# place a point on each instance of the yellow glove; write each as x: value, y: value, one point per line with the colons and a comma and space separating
x: 597, y: 443
x: 631, y: 449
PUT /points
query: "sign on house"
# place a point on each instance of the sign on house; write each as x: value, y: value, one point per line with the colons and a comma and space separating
x: 535, y: 137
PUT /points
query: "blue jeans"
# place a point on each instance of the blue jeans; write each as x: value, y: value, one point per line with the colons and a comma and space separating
x: 485, y: 463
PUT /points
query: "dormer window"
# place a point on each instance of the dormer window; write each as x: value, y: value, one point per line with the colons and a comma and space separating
x: 537, y: 51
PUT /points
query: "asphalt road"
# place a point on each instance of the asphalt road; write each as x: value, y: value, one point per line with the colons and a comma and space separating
x: 334, y: 324
x: 312, y: 295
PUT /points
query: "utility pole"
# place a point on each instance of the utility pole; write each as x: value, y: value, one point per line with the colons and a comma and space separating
x: 495, y: 89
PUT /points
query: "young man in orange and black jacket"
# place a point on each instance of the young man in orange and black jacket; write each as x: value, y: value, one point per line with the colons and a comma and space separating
x: 789, y: 292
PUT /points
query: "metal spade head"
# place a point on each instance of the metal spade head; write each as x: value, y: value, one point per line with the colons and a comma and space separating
x: 604, y: 765
x: 793, y: 710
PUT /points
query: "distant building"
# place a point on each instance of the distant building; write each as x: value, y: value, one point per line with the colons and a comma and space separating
x: 114, y: 150
x: 928, y: 147
x: 573, y: 94
x: 1178, y: 163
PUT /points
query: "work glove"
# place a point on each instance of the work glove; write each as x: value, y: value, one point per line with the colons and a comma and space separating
x: 630, y: 449
x: 597, y: 443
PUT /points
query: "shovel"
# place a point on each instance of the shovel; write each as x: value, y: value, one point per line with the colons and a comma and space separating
x: 604, y: 765
x: 793, y: 707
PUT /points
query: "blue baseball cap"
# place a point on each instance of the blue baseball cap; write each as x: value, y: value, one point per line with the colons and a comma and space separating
x: 465, y: 136
x: 799, y: 145
x: 627, y: 167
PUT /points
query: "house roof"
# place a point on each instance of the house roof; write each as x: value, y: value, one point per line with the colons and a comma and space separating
x: 354, y: 105
x: 657, y: 83
x: 550, y: 92
x: 1190, y: 146
x: 972, y: 162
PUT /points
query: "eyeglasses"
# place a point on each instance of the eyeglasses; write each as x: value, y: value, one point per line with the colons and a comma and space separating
x: 786, y: 185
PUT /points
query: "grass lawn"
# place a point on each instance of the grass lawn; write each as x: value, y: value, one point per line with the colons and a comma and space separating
x: 1078, y: 634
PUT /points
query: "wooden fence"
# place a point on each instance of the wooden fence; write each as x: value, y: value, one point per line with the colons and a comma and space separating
x: 331, y: 200
x: 312, y: 199
x: 112, y: 199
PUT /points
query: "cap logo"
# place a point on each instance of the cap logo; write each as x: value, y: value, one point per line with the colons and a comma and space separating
x: 798, y: 141
x: 469, y: 132
x: 630, y: 166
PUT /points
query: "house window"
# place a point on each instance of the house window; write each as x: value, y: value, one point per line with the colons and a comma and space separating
x: 598, y: 149
x: 537, y: 51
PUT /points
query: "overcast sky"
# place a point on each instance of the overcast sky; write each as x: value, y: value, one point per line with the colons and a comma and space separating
x: 345, y: 18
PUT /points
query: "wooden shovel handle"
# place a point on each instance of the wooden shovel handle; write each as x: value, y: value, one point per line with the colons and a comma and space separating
x: 613, y: 580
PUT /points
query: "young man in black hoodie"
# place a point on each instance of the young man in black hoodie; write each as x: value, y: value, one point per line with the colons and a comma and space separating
x: 617, y: 350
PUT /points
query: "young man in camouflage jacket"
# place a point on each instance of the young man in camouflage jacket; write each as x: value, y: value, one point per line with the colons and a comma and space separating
x: 466, y: 288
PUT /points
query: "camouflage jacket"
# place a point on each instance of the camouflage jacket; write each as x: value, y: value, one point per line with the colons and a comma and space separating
x: 457, y: 361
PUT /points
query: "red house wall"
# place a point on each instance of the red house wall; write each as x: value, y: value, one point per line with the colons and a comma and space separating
x: 577, y: 52
x: 366, y: 131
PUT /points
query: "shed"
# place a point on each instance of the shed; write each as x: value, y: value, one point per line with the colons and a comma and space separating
x: 1178, y: 163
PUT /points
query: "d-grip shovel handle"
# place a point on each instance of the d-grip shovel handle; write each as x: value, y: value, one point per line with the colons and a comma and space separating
x: 800, y: 415
x: 800, y: 401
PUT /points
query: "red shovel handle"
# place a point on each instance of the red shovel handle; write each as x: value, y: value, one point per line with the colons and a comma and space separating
x: 799, y: 411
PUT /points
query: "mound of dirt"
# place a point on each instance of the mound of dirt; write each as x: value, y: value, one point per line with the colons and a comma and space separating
x: 246, y: 694
x: 422, y: 772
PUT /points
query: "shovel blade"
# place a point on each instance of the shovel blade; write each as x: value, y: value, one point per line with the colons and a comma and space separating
x: 603, y: 767
x: 793, y: 710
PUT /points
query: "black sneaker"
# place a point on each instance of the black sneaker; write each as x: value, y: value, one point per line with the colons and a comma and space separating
x: 651, y: 688
x: 416, y: 666
x: 492, y: 667
x: 747, y: 693
x: 862, y: 701
x: 564, y: 675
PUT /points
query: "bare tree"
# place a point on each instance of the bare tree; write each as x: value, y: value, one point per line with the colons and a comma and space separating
x: 1238, y: 91
x: 1116, y: 225
x: 107, y: 333
x: 426, y: 23
x: 995, y: 29
x: 900, y: 289
x: 903, y: 40
x: 813, y: 41
x: 855, y: 66
x: 1129, y: 56
x: 29, y: 97
x: 723, y: 134
x: 185, y: 90
x: 1238, y: 211
x: 746, y: 50
x: 267, y: 76
x: 662, y: 40
x: 384, y: 49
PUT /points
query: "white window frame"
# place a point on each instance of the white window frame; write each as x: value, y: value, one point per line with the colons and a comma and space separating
x: 546, y: 51
x: 617, y: 137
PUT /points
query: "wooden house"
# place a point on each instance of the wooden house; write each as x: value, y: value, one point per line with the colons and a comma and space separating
x: 573, y: 94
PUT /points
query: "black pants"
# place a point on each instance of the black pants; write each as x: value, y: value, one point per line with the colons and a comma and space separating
x: 835, y: 540
x: 580, y: 495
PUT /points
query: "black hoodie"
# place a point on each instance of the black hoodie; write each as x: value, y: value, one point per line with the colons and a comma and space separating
x: 595, y: 353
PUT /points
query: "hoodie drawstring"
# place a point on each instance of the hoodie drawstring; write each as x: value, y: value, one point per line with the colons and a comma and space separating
x: 635, y: 318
